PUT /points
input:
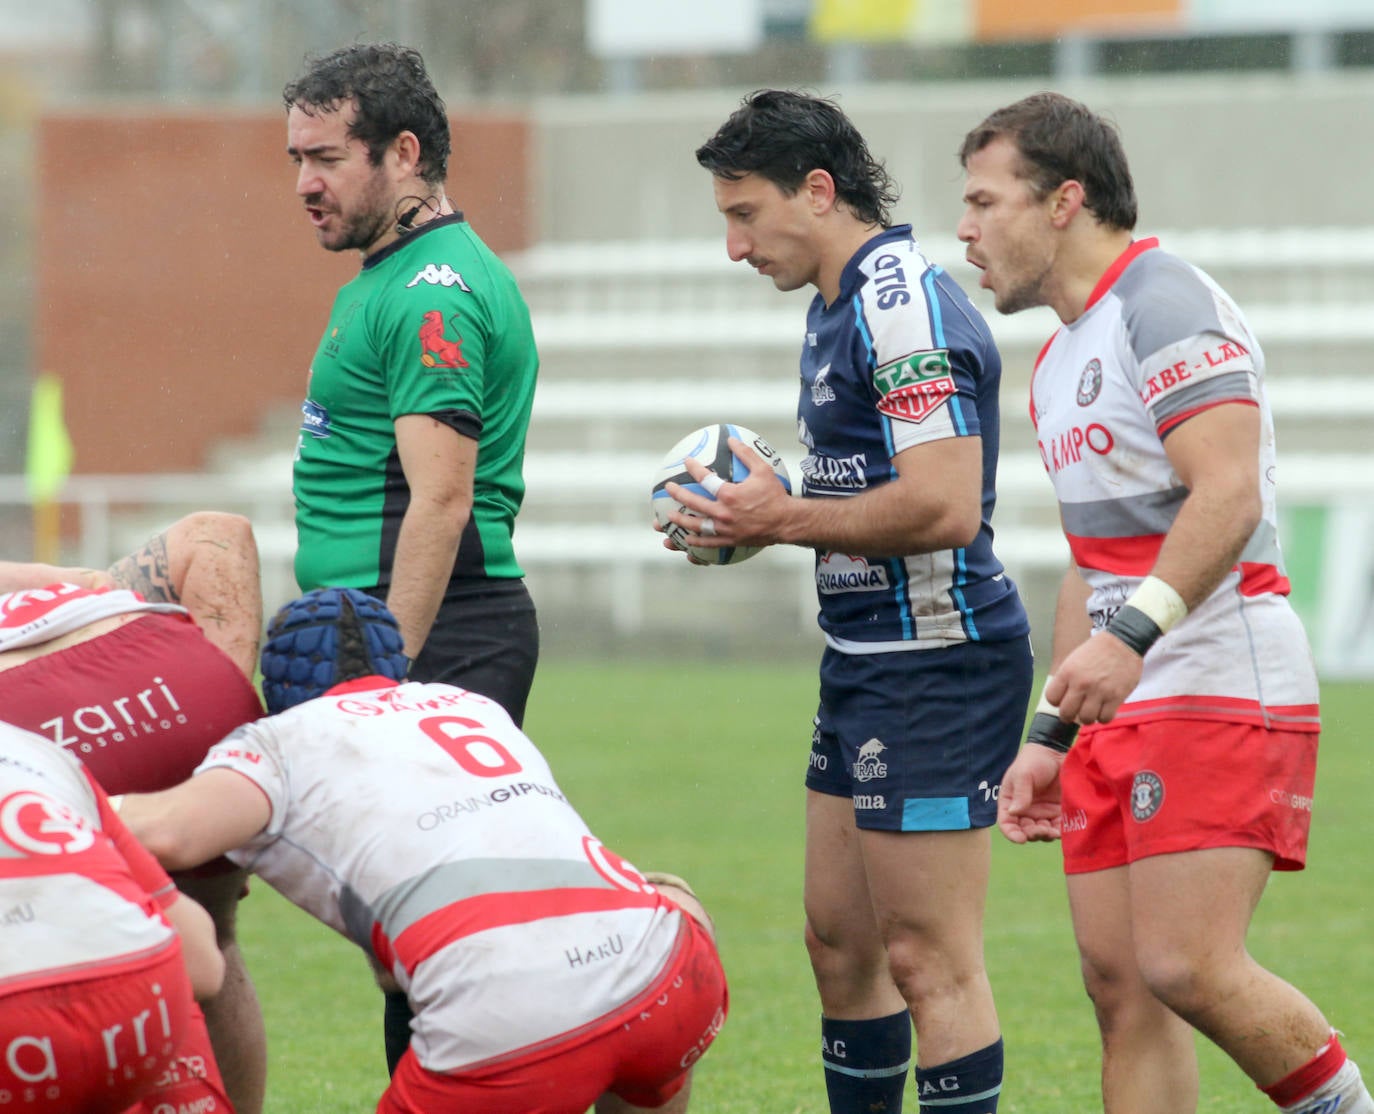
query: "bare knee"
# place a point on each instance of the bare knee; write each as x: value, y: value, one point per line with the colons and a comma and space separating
x: 926, y: 969
x: 1178, y: 981
x: 849, y: 969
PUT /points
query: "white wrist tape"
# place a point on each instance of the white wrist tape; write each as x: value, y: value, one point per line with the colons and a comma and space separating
x: 1158, y: 602
x: 1045, y: 705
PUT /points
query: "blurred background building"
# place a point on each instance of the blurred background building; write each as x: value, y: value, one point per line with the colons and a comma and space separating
x: 156, y: 265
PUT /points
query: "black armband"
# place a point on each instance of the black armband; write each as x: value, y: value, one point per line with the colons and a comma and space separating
x: 1049, y: 730
x: 1133, y: 627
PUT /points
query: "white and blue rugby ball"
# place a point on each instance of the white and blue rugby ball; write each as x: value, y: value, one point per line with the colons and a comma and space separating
x: 710, y: 445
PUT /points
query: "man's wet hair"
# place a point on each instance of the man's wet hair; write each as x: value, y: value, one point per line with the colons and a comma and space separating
x: 782, y: 136
x: 390, y: 90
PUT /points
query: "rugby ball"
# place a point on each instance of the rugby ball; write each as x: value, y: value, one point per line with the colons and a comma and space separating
x: 710, y: 445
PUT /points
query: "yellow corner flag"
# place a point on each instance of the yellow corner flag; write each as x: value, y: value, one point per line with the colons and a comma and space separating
x: 47, y: 464
x: 49, y: 458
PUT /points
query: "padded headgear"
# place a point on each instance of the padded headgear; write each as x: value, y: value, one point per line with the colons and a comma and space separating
x: 326, y: 637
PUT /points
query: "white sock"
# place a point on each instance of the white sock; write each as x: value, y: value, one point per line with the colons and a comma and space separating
x: 1343, y: 1093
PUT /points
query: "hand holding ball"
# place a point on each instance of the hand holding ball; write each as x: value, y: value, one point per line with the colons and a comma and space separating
x: 710, y: 446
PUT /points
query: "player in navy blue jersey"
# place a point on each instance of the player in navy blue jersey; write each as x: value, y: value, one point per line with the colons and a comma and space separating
x: 926, y: 673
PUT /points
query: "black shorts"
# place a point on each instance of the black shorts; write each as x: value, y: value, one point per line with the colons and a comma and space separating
x: 484, y: 639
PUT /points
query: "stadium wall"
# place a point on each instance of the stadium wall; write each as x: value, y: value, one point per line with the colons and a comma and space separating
x: 180, y: 290
x: 1218, y: 151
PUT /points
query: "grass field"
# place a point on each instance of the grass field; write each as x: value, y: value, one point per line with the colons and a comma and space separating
x: 698, y: 770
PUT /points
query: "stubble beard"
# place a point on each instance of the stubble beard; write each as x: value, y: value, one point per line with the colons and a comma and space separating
x: 1027, y: 293
x: 366, y: 224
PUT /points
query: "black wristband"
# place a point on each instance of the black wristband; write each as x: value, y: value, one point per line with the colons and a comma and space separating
x: 1049, y: 730
x: 1135, y: 628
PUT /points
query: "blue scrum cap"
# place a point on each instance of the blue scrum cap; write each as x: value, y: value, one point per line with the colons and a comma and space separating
x: 326, y: 637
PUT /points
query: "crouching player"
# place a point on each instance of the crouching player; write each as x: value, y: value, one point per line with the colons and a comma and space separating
x: 546, y: 974
x: 137, y: 671
x: 100, y: 956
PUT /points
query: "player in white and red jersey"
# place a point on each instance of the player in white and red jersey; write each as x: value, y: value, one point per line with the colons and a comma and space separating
x: 99, y: 953
x: 1174, y: 642
x: 137, y: 671
x: 544, y: 971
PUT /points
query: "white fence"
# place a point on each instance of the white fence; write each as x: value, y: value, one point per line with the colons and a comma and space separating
x: 586, y: 542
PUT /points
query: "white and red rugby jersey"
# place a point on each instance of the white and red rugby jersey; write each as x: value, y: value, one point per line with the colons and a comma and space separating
x: 1159, y: 342
x: 39, y: 614
x: 79, y: 897
x: 418, y: 821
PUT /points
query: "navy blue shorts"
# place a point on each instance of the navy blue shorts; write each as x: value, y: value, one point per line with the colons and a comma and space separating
x: 920, y: 739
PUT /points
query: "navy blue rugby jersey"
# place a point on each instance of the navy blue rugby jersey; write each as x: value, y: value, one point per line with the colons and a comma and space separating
x: 902, y: 357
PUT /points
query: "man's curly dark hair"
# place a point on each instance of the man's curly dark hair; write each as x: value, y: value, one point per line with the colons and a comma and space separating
x: 391, y: 91
x: 783, y: 136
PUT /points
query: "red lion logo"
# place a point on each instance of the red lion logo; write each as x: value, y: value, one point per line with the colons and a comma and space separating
x: 435, y: 349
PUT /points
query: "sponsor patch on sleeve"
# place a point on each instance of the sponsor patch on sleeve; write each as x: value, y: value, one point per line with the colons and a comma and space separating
x: 914, y: 387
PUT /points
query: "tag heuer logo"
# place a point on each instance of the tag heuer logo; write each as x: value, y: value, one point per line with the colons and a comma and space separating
x: 915, y: 386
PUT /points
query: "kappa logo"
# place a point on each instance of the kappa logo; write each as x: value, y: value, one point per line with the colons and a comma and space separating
x: 1090, y: 383
x: 869, y: 766
x: 1147, y: 794
x: 443, y: 275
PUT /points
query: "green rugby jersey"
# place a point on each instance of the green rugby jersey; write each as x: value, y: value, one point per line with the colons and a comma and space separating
x: 434, y: 324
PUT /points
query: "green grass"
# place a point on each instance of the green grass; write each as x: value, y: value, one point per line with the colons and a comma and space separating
x: 698, y: 770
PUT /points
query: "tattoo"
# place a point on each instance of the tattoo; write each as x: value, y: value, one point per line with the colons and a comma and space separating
x: 146, y: 571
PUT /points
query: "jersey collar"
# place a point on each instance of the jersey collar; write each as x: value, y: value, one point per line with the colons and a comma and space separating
x: 852, y: 276
x: 456, y: 217
x: 1135, y: 249
x: 370, y: 683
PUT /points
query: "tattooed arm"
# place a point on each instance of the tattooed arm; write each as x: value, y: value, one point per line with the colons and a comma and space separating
x: 208, y: 563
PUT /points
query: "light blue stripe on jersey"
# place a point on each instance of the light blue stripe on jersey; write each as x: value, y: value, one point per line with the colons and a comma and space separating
x: 900, y: 581
x: 956, y: 411
x: 935, y: 814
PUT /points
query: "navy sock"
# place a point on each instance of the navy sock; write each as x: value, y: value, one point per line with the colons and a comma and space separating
x: 866, y: 1063
x: 968, y: 1085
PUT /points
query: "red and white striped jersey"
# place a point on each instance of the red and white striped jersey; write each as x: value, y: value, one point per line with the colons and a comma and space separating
x: 1159, y: 342
x: 39, y: 614
x: 418, y: 821
x: 79, y: 897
